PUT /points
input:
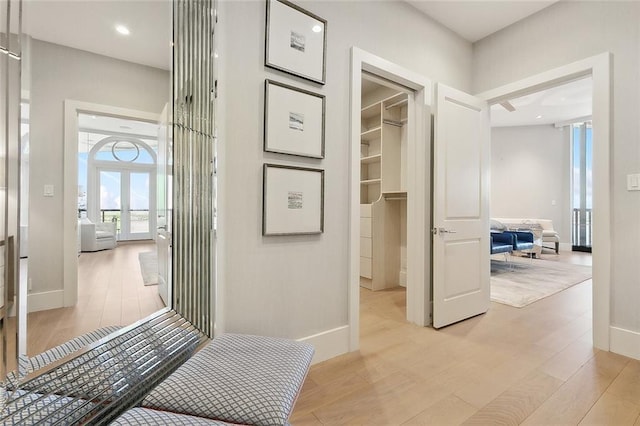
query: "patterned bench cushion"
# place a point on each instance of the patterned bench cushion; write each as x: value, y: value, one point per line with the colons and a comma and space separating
x: 73, y: 345
x: 237, y: 379
x: 146, y: 417
x: 25, y: 408
x: 57, y: 353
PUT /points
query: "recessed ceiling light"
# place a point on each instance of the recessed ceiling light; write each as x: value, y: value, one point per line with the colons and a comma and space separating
x: 539, y: 117
x: 122, y: 29
x: 316, y: 28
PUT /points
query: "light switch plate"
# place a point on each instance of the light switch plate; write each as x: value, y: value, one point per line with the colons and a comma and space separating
x: 633, y: 182
x: 48, y: 190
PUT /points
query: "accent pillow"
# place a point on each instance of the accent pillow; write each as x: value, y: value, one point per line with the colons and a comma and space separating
x: 497, y: 226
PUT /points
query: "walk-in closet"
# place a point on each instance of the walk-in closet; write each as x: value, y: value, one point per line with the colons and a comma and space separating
x: 383, y: 185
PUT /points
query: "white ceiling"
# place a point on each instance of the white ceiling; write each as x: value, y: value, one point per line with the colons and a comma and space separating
x: 476, y: 19
x: 90, y: 25
x: 563, y: 103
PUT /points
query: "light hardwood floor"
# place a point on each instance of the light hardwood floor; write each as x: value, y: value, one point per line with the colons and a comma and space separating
x: 110, y: 292
x: 533, y: 365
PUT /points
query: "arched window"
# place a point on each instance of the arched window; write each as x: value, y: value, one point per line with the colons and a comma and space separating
x: 124, y: 150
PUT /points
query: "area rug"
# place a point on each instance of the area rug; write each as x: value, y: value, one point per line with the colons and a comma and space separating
x: 524, y: 281
x: 149, y: 267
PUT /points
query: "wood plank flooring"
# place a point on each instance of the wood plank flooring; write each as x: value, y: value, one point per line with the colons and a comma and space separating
x: 110, y: 292
x: 534, y: 365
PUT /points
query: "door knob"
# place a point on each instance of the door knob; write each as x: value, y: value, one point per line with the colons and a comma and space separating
x: 446, y: 231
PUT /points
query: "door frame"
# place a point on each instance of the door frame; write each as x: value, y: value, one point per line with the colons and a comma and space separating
x: 418, y: 188
x: 70, y: 198
x: 599, y: 68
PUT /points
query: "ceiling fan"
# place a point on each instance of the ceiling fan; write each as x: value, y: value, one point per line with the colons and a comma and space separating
x: 508, y: 106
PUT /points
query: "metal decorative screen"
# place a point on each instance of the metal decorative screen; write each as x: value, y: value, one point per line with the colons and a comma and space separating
x: 98, y: 383
x: 193, y: 154
x: 11, y: 314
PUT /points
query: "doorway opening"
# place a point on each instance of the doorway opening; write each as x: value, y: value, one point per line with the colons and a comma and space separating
x: 383, y: 188
x: 598, y: 68
x: 533, y: 191
x: 369, y: 180
x: 117, y: 167
x: 383, y: 192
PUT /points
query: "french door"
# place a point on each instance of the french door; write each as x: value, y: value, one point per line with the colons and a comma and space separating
x: 127, y: 197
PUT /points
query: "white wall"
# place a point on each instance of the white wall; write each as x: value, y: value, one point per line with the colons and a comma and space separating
x: 529, y: 171
x: 563, y: 33
x: 298, y: 286
x: 59, y: 73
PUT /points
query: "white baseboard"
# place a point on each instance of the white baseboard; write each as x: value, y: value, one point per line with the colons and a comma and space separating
x: 45, y: 300
x: 329, y: 344
x: 402, y: 278
x: 625, y: 342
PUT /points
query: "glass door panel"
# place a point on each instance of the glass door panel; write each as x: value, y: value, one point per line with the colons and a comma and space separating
x: 111, y: 198
x: 139, y: 190
x: 126, y: 198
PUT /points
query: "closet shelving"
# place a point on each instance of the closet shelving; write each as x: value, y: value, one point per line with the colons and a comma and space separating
x: 371, y: 181
x: 382, y: 191
x: 371, y: 159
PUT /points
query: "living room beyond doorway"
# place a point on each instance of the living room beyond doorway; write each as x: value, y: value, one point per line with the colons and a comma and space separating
x: 535, y: 179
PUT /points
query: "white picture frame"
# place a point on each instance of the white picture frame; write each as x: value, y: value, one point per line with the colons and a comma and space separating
x: 294, y: 120
x: 295, y: 41
x: 292, y: 200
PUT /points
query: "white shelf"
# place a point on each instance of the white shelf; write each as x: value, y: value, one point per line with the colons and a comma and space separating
x: 394, y: 195
x: 370, y: 181
x: 371, y: 159
x: 371, y: 111
x: 400, y: 99
x: 372, y: 134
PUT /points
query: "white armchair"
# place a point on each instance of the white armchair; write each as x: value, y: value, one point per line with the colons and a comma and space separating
x: 97, y: 236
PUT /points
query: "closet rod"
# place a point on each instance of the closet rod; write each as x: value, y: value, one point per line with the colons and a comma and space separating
x: 393, y: 123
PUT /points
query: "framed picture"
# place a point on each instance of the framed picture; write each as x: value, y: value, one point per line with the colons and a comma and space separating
x: 296, y: 41
x: 292, y: 200
x: 293, y: 120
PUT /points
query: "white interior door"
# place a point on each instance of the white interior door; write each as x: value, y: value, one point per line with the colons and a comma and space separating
x: 461, y: 207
